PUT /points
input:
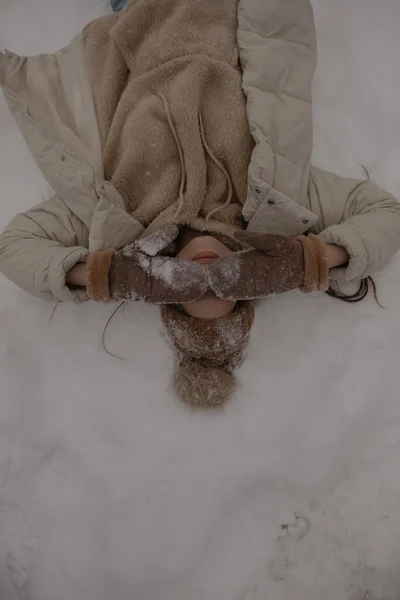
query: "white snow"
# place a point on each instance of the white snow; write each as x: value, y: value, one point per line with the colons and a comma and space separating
x: 179, y: 275
x: 110, y: 488
x: 158, y: 241
x: 228, y: 269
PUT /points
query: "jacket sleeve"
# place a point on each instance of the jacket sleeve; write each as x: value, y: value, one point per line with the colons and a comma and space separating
x: 277, y: 45
x: 359, y: 216
x: 38, y: 248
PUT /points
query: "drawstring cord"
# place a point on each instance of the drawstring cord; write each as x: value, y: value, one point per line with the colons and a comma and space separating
x: 220, y: 167
x: 181, y: 197
x: 209, y: 152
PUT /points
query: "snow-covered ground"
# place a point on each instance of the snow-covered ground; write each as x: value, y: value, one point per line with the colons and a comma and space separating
x: 111, y: 489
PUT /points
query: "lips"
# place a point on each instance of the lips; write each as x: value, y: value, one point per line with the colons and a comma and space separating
x: 205, y: 258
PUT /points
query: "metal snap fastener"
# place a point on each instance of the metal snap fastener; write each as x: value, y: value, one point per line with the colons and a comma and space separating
x: 257, y: 190
x: 271, y: 202
x: 306, y: 221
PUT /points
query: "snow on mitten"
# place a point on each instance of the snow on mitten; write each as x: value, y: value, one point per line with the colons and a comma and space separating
x: 274, y: 264
x: 138, y: 273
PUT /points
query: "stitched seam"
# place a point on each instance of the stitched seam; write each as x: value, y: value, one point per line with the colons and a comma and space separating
x: 283, y: 156
x: 256, y: 31
x: 278, y: 93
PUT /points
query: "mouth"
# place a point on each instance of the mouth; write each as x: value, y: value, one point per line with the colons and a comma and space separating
x: 205, y: 258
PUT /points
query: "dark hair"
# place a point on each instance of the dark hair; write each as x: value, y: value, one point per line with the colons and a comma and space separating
x: 359, y: 295
x: 364, y: 285
x: 103, y: 337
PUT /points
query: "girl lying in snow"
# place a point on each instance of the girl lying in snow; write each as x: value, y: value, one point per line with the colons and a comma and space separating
x: 159, y: 162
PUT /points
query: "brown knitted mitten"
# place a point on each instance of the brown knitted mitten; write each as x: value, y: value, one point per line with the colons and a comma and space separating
x: 138, y: 273
x: 273, y: 265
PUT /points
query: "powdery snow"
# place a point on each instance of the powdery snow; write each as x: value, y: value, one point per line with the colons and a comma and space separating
x: 110, y: 488
x: 165, y: 270
x: 178, y: 275
x: 154, y: 243
x: 174, y: 274
x: 225, y: 270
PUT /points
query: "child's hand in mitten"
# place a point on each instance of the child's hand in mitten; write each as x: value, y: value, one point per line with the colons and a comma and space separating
x: 274, y: 264
x: 137, y: 272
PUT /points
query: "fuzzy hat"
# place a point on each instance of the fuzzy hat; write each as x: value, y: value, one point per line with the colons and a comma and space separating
x: 208, y: 352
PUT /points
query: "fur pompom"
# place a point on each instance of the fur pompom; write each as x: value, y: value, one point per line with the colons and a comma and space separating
x: 202, y: 386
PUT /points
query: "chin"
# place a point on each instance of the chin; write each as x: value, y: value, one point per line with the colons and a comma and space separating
x: 209, y: 308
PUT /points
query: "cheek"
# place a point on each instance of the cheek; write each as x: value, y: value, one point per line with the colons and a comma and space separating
x: 220, y: 249
x: 185, y: 254
x: 209, y: 308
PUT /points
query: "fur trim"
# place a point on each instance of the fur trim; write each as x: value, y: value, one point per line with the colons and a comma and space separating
x: 316, y: 272
x: 322, y: 255
x: 99, y: 264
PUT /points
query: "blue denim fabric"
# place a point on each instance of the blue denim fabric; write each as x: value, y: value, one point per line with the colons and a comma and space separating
x: 118, y: 4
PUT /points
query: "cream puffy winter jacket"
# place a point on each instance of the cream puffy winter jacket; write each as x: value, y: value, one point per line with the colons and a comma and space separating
x: 51, y: 99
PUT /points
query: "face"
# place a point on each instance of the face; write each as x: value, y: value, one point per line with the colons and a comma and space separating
x: 204, y: 249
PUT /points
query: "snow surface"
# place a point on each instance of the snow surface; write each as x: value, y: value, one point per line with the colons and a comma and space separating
x: 110, y: 488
